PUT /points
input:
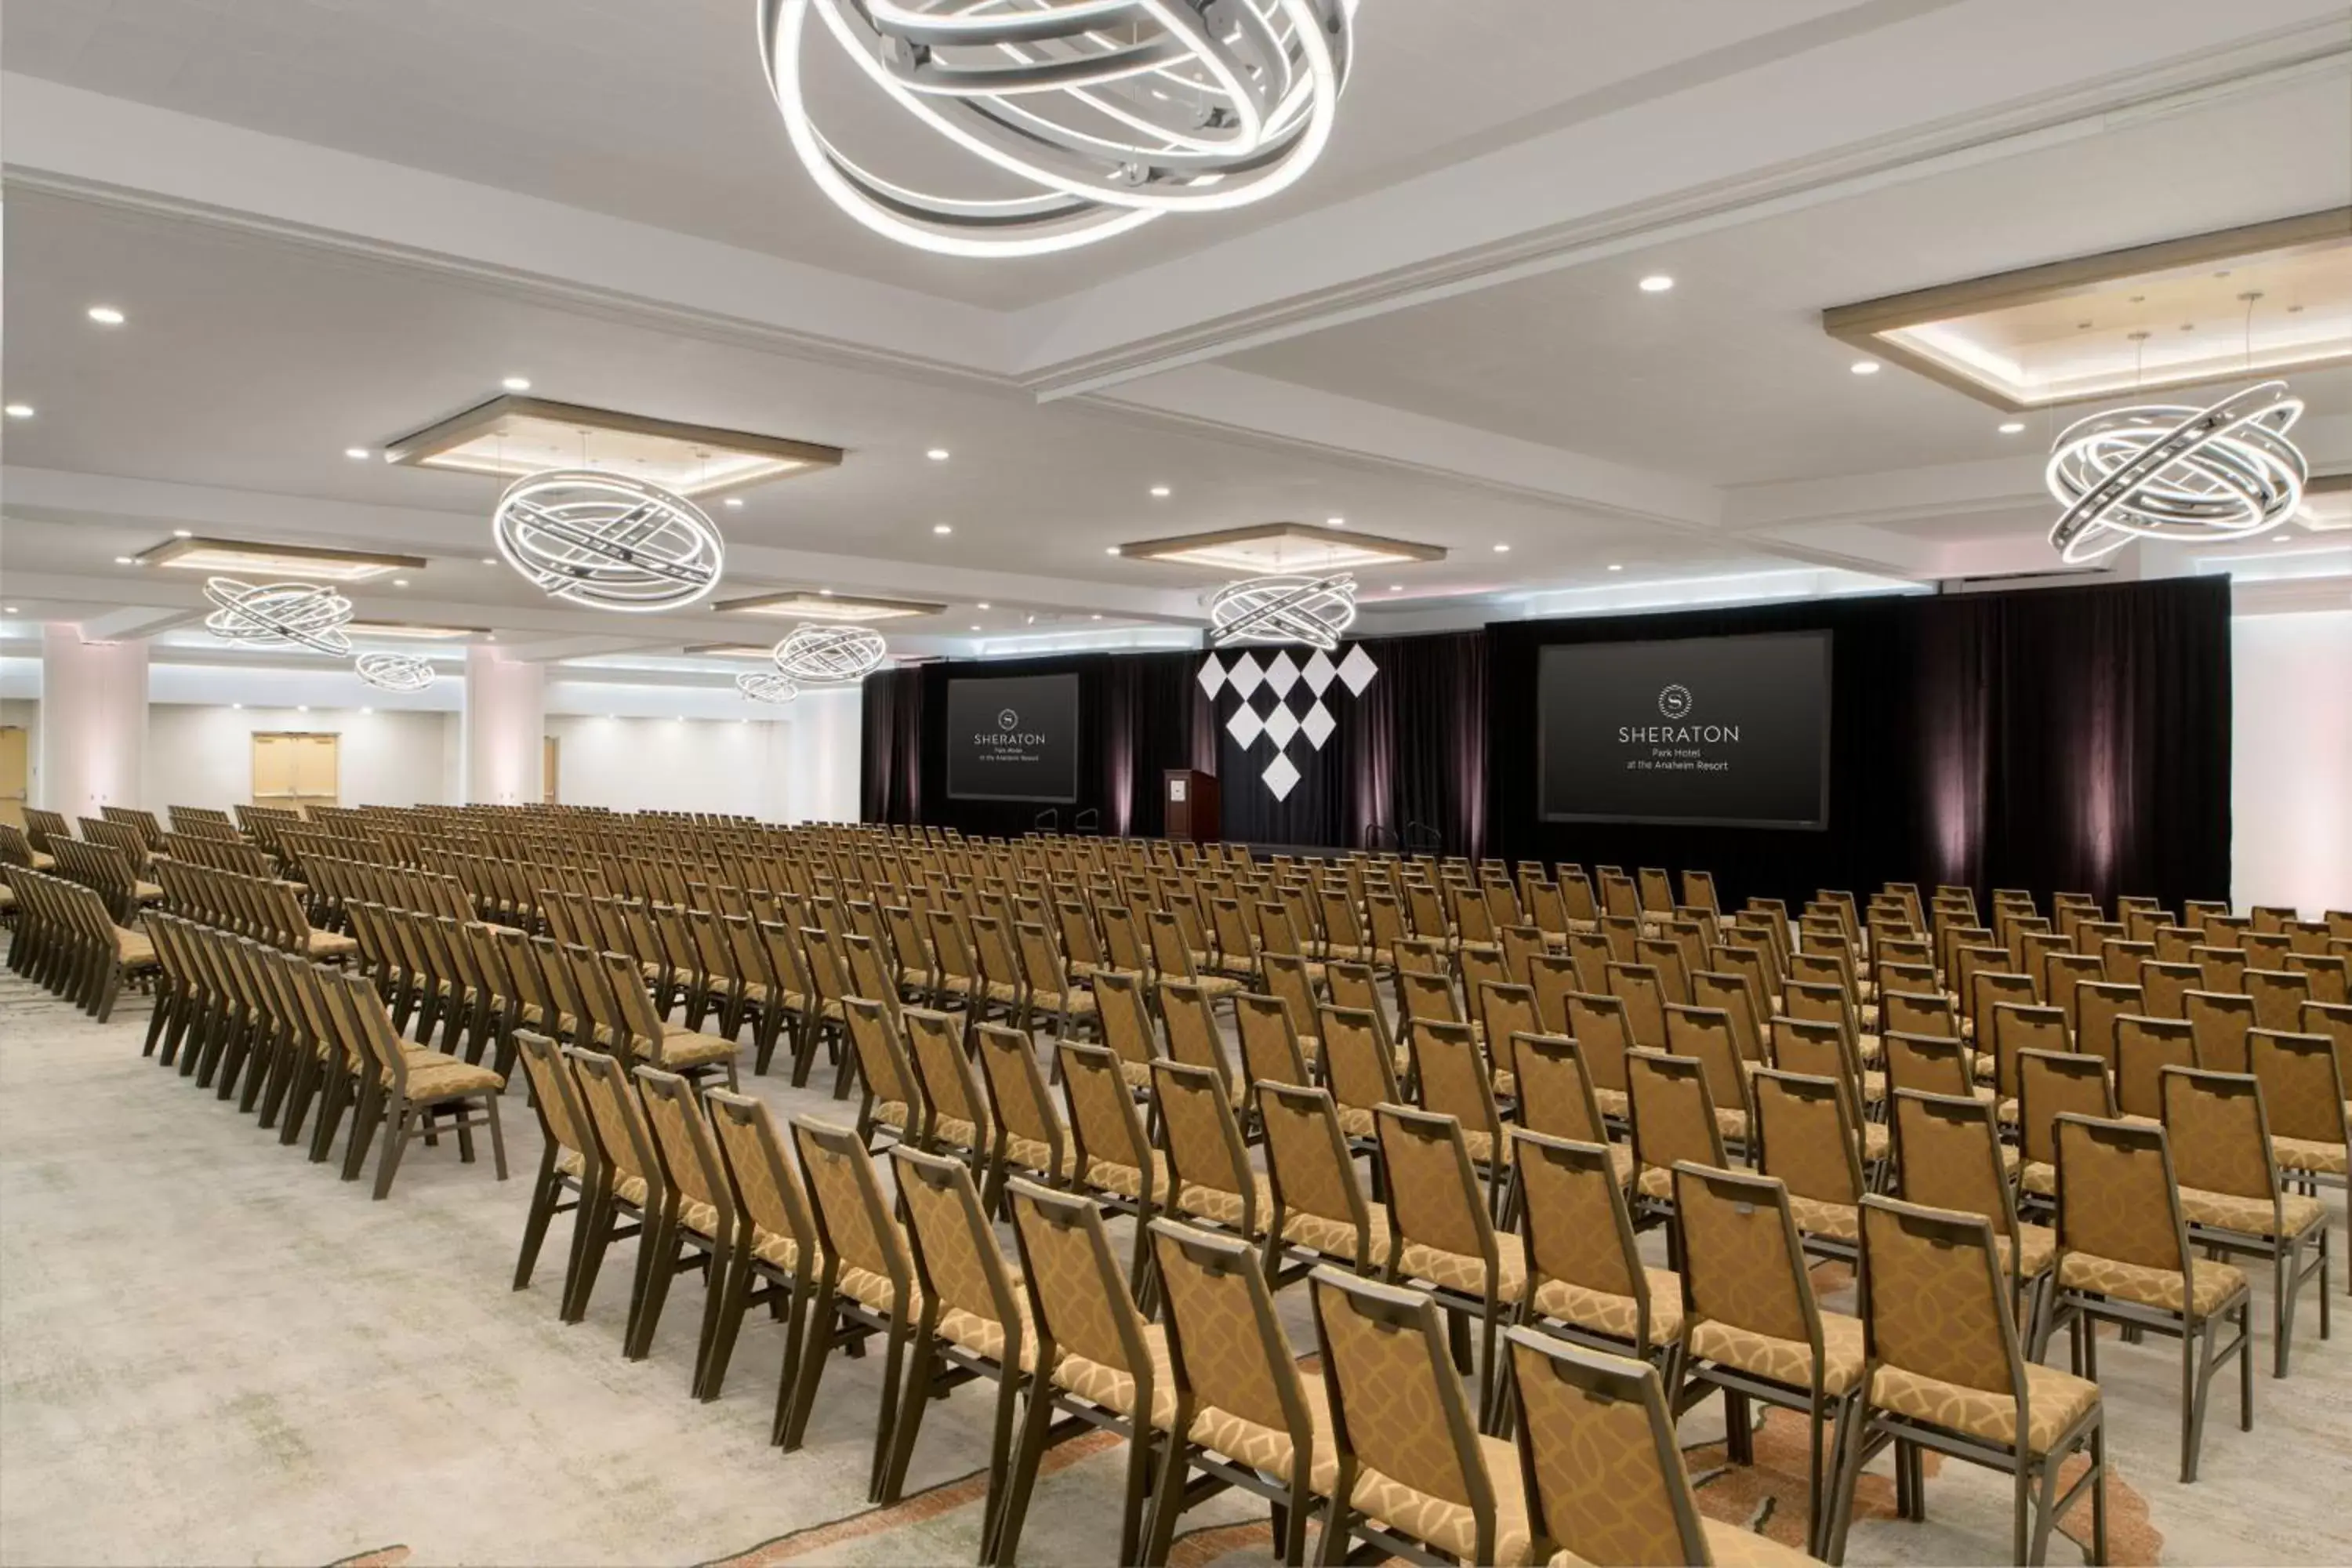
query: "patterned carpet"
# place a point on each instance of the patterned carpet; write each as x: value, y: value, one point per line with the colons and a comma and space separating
x: 212, y: 1352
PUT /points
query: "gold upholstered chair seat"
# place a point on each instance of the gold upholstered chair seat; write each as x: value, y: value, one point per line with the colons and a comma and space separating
x: 1614, y: 1103
x: 2036, y: 1247
x: 2216, y: 1285
x: 436, y: 1076
x: 2309, y: 1156
x: 132, y: 947
x: 1270, y: 1448
x: 1036, y: 1154
x: 1223, y: 1206
x: 776, y: 1248
x: 1098, y: 1383
x: 872, y: 1288
x: 1603, y: 1312
x: 1452, y: 1527
x: 1816, y: 1216
x: 682, y: 1048
x: 1464, y: 1272
x: 2296, y: 1213
x: 2054, y: 1402
x: 325, y: 944
x: 147, y: 892
x: 1337, y: 1237
x: 1787, y: 1361
x: 2038, y: 1177
x: 1127, y: 1181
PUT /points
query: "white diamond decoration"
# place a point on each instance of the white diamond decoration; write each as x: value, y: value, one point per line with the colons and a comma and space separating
x: 1319, y: 672
x: 1358, y: 669
x: 1281, y: 724
x: 1281, y: 675
x: 1318, y: 725
x: 1213, y: 675
x: 1245, y: 726
x: 1281, y: 777
x: 1245, y: 675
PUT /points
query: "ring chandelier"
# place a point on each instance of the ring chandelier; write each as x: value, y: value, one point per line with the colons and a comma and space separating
x: 767, y: 686
x: 607, y: 541
x: 393, y: 672
x: 831, y: 655
x: 2174, y: 472
x: 1098, y: 116
x: 1317, y: 611
x: 300, y: 614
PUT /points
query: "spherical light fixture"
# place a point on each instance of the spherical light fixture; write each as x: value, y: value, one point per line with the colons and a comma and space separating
x: 1317, y: 611
x: 279, y: 615
x: 393, y: 672
x: 767, y: 686
x: 2174, y: 472
x: 1101, y: 114
x: 834, y: 655
x: 607, y: 541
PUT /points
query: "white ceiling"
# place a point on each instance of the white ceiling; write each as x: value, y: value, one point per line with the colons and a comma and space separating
x: 1438, y: 336
x: 659, y: 113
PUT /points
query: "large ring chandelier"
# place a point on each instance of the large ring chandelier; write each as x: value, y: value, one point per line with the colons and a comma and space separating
x: 767, y: 686
x: 393, y: 672
x: 2170, y: 471
x: 831, y: 654
x: 606, y: 541
x: 269, y: 615
x: 1084, y: 118
x: 1317, y: 611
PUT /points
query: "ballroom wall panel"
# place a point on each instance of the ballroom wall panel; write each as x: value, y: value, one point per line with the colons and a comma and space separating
x: 2073, y: 737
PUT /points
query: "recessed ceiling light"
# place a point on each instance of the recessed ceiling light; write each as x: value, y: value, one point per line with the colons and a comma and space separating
x: 357, y: 454
x: 400, y: 582
x: 732, y: 500
x: 237, y: 704
x: 1396, y: 587
x: 937, y: 453
x: 1866, y: 367
x: 20, y: 411
x: 124, y: 561
x: 517, y: 383
x: 490, y: 560
x: 183, y: 534
x: 7, y: 609
x: 1335, y: 522
x: 1110, y: 549
x: 975, y: 627
x: 942, y: 528
x: 2012, y: 426
x: 1656, y: 283
x: 1616, y: 566
x: 106, y: 315
x: 367, y: 709
x: 1094, y: 617
x: 302, y: 708
x: 980, y: 607
x: 1159, y: 492
x: 1502, y: 549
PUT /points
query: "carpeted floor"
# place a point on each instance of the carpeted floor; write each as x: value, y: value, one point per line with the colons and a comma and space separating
x: 212, y: 1352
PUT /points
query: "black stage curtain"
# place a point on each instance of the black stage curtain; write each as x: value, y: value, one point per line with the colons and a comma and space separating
x: 2074, y: 738
x: 890, y: 779
x: 1139, y: 715
x: 1405, y: 764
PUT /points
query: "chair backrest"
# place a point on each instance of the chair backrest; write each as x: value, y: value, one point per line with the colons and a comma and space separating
x: 1018, y: 1101
x: 1638, y: 987
x: 2052, y: 1084
x: 1598, y: 1024
x: 1270, y: 1049
x: 2277, y: 996
x: 957, y: 1259
x: 765, y: 1180
x: 1673, y: 1114
x: 2303, y: 1087
x: 1357, y: 1066
x: 1729, y: 993
x: 1225, y: 1346
x: 1433, y: 1195
x: 1398, y: 1414
x: 689, y: 1157
x: 2219, y: 1021
x: 2222, y: 969
x: 2145, y: 1047
x: 2116, y: 1196
x: 853, y: 1219
x: 1948, y: 1156
x: 2220, y: 1140
x: 1600, y: 1463
x: 1203, y: 1141
x: 1126, y: 1015
x: 1453, y: 1080
x: 1742, y: 1265
x: 1104, y: 1122
x: 1576, y: 1225
x: 2021, y: 1026
x: 1805, y: 1137
x: 1555, y: 1089
x: 882, y: 1056
x: 1081, y: 1303
x: 952, y: 1090
x: 1928, y: 1064
x: 555, y: 1095
x: 1193, y: 1036
x: 618, y: 1116
x: 1937, y: 1300
x: 1705, y: 1034
x: 1905, y: 1013
x: 2098, y: 1004
x: 1308, y: 1160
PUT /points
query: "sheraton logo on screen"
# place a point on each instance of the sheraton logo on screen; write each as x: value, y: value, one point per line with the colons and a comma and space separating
x: 1676, y: 701
x: 1008, y: 733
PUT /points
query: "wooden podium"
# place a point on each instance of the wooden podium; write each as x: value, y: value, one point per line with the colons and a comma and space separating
x: 1191, y: 811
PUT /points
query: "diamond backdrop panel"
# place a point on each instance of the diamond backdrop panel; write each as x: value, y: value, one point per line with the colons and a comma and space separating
x: 1283, y: 701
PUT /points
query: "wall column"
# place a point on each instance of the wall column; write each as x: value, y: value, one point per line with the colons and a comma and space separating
x: 506, y: 728
x: 93, y: 722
